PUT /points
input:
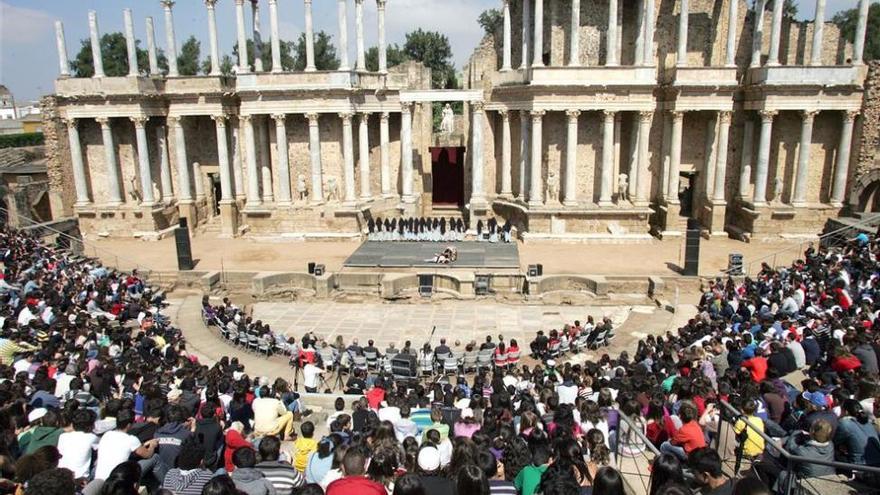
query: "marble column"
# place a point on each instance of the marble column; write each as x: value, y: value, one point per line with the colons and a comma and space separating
x: 364, y: 156
x: 672, y: 181
x: 607, y: 167
x: 256, y: 28
x: 61, y: 46
x: 265, y: 159
x: 639, y: 55
x: 342, y: 46
x: 237, y: 179
x: 799, y: 198
x: 861, y: 31
x: 226, y: 191
x: 285, y: 197
x: 114, y: 187
x: 643, y: 187
x: 775, y: 33
x: 383, y: 55
x: 536, y: 193
x: 385, y: 155
x: 95, y: 39
x: 130, y: 46
x: 348, y: 159
x: 524, y: 151
x: 164, y: 165
x: 143, y: 152
x: 152, y: 57
x: 818, y: 28
x: 506, y: 186
x: 649, y: 32
x: 505, y: 64
x: 718, y: 196
x: 212, y: 36
x: 526, y: 33
x: 276, y: 36
x: 310, y: 38
x: 538, y: 47
x: 758, y: 33
x: 171, y: 41
x: 612, y: 50
x: 406, y: 153
x: 198, y: 182
x: 569, y: 195
x: 243, y: 65
x: 841, y: 166
x: 681, y: 53
x: 317, y: 193
x: 253, y: 172
x: 361, y: 63
x: 478, y: 193
x: 79, y: 169
x: 183, y: 177
x: 575, y: 50
x: 732, y: 28
x: 763, y: 165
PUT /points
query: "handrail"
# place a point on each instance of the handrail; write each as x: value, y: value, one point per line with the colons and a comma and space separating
x: 636, y: 428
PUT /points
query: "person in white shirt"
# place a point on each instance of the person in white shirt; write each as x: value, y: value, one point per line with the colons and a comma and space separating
x: 76, y: 446
x: 117, y: 446
x: 270, y: 416
x: 311, y: 373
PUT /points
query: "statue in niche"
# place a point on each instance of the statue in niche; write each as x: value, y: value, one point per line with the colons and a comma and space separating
x: 332, y: 189
x: 622, y: 187
x: 552, y: 187
x: 135, y: 192
x: 447, y: 124
x: 301, y: 187
x: 777, y: 190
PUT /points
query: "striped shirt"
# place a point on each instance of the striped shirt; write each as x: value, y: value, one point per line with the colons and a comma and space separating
x: 284, y: 477
x: 8, y: 350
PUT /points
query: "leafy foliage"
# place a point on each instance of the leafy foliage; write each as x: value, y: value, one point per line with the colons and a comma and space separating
x: 492, y: 21
x: 848, y: 19
x: 325, y: 52
x: 432, y: 49
x: 114, y: 54
x: 394, y: 53
x: 21, y: 140
x: 189, y: 58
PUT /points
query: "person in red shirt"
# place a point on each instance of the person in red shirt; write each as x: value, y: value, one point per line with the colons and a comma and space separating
x: 354, y: 481
x: 757, y: 366
x: 687, y: 438
x: 844, y: 361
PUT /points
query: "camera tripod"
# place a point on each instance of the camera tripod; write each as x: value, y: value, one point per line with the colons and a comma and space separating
x: 338, y: 383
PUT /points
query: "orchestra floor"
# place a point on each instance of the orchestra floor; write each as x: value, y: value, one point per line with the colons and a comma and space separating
x: 471, y: 254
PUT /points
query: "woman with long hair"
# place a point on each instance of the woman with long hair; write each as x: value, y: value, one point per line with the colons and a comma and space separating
x: 123, y: 480
x: 472, y: 481
x: 608, y: 482
x: 665, y: 468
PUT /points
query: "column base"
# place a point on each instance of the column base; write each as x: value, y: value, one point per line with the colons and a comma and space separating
x: 535, y: 203
x: 366, y: 199
x: 349, y: 203
x: 605, y: 203
x: 311, y: 69
x: 283, y: 203
x: 388, y: 195
x: 836, y: 204
x: 148, y: 204
x: 228, y: 219
x: 799, y: 204
x: 569, y: 203
x: 506, y: 195
x: 112, y: 204
x: 408, y: 199
x: 757, y: 204
x: 82, y: 204
x: 506, y: 69
x: 168, y: 200
x: 317, y: 202
x: 268, y: 199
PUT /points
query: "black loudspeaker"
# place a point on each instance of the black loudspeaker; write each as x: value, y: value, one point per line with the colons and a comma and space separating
x: 533, y: 271
x: 735, y: 264
x: 403, y: 366
x: 319, y: 270
x: 311, y: 268
x: 540, y: 269
x: 184, y: 250
x: 426, y: 285
x: 481, y: 285
x: 692, y: 248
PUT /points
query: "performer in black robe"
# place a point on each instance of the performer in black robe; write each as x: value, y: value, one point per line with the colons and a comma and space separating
x: 371, y: 225
x: 480, y: 227
x: 493, y: 224
x: 388, y: 226
x: 442, y: 225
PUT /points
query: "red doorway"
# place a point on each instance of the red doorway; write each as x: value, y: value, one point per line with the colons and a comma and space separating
x: 447, y: 165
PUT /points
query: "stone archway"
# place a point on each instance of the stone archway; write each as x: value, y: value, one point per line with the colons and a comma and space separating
x: 865, y: 194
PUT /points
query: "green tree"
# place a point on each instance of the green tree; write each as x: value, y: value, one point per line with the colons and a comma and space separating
x: 325, y: 52
x: 393, y: 53
x: 432, y: 49
x: 492, y: 21
x: 789, y: 9
x: 288, y: 62
x: 189, y: 58
x: 848, y: 19
x: 114, y: 54
x: 250, y: 54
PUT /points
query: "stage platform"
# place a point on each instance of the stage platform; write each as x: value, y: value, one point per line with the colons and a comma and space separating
x: 413, y: 254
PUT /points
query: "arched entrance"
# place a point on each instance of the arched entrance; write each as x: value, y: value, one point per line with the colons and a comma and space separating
x: 865, y: 195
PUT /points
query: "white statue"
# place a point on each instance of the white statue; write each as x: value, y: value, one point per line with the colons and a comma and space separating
x: 622, y: 187
x: 552, y: 187
x: 135, y: 190
x: 447, y: 124
x: 332, y: 189
x: 777, y: 190
x: 301, y: 187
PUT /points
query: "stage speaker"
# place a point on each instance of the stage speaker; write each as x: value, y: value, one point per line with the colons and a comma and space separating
x: 481, y: 285
x: 319, y: 270
x: 184, y: 250
x: 426, y: 285
x: 403, y: 366
x: 311, y: 266
x: 692, y: 248
x: 540, y: 269
x: 735, y: 264
x: 533, y: 271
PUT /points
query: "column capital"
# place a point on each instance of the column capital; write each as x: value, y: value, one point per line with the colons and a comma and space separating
x: 504, y: 114
x: 405, y: 107
x: 725, y: 116
x: 219, y: 119
x: 478, y: 106
x: 346, y: 117
x: 167, y: 4
x: 313, y: 118
x: 767, y: 115
x: 271, y: 2
x: 307, y: 2
x: 211, y: 3
x: 245, y: 118
x: 537, y: 115
x: 139, y: 122
x: 677, y: 115
x: 384, y: 116
x: 646, y: 115
x: 380, y: 4
x: 279, y: 118
x: 104, y: 121
x: 809, y: 115
x: 173, y: 120
x: 70, y: 122
x: 239, y: 2
x: 359, y: 1
x: 851, y: 115
x: 573, y: 114
x: 609, y: 114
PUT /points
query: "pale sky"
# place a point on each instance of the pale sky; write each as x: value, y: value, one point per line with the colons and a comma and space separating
x: 29, y: 64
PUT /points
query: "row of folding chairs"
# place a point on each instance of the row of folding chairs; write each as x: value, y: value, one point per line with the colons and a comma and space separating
x: 583, y: 341
x: 470, y: 361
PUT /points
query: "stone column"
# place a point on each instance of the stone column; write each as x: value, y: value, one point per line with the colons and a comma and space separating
x: 718, y: 196
x: 226, y: 191
x: 639, y: 56
x: 612, y: 54
x: 199, y: 182
x: 758, y: 34
x: 79, y: 169
x: 385, y: 155
x: 310, y: 38
x: 258, y: 37
x: 732, y: 27
x: 574, y: 53
x: 526, y: 33
x: 505, y: 64
x: 265, y: 159
x: 649, y: 32
x: 276, y: 36
x: 113, y: 184
x: 607, y: 167
x: 364, y: 156
x: 569, y: 196
x: 478, y: 193
x: 253, y: 173
x: 183, y: 176
x: 536, y: 193
x: 130, y: 47
x: 243, y: 66
x: 818, y: 28
x: 143, y: 151
x: 238, y: 180
x: 151, y: 48
x: 538, y: 49
x: 841, y: 167
x: 615, y: 176
x: 681, y: 54
x: 61, y: 45
x: 348, y: 159
x: 524, y: 151
x: 383, y: 55
x: 506, y: 186
x: 212, y: 37
x: 672, y: 182
x: 406, y: 154
x: 861, y: 30
x: 803, y: 171
x: 643, y: 187
x: 95, y: 38
x: 317, y: 193
x: 285, y: 197
x: 170, y: 38
x: 342, y: 48
x: 361, y: 63
x: 763, y: 165
x: 775, y: 33
x: 164, y: 165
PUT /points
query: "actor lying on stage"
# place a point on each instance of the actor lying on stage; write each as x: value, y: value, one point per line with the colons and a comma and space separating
x: 449, y: 255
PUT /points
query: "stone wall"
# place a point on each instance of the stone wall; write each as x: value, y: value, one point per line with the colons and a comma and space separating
x: 868, y: 149
x: 62, y: 194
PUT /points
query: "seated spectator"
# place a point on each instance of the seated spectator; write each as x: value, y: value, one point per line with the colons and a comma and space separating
x: 304, y: 446
x: 270, y: 416
x: 688, y: 437
x: 247, y: 478
x: 705, y: 464
x: 753, y: 443
x: 354, y: 479
x: 189, y: 476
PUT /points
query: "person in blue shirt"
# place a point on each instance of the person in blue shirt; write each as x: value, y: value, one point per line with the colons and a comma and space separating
x: 856, y: 438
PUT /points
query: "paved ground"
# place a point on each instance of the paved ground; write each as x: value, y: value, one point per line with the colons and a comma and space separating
x: 414, y: 254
